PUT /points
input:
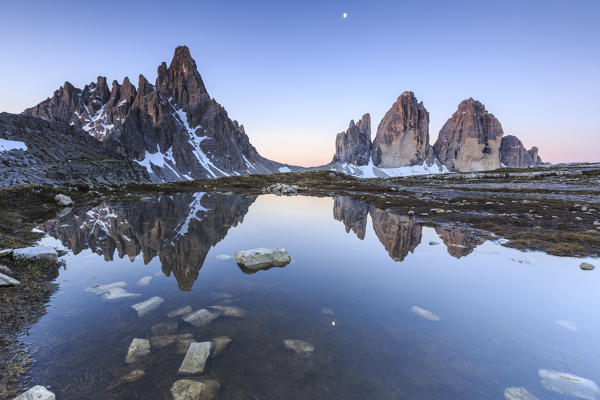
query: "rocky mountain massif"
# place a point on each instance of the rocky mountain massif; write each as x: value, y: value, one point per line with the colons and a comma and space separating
x: 471, y: 140
x: 173, y: 128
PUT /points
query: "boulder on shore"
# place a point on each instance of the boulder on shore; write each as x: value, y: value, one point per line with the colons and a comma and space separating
x: 586, y: 266
x: 262, y: 258
x: 63, y: 200
x: 191, y: 389
x: 37, y: 393
x: 6, y: 280
x: 35, y: 253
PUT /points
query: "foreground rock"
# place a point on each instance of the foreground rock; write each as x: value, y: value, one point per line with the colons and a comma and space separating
x: 518, y: 393
x: 470, y: 139
x: 100, y: 289
x: 188, y: 389
x: 300, y: 347
x: 201, y: 317
x: 586, y: 266
x: 354, y: 145
x: 179, y: 311
x: 282, y: 189
x: 37, y: 393
x: 513, y: 153
x: 133, y: 375
x: 262, y: 258
x: 35, y: 253
x: 425, y: 313
x: 403, y: 135
x: 219, y: 344
x: 6, y: 280
x: 137, y: 349
x: 63, y: 200
x: 195, y: 358
x: 5, y: 252
x: 572, y: 385
x: 145, y: 307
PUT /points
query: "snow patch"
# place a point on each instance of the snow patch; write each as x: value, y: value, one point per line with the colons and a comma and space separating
x: 8, y: 145
x: 371, y: 171
x: 284, y: 169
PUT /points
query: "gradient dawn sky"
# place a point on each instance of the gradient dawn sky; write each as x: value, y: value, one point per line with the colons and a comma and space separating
x: 296, y: 72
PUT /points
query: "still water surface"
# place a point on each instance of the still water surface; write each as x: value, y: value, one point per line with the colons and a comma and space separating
x: 359, y: 289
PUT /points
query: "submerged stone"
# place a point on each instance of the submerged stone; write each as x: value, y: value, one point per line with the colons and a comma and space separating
x: 134, y: 375
x: 118, y: 293
x: 230, y: 311
x: 586, y: 266
x: 35, y: 253
x: 300, y: 347
x: 219, y: 344
x: 569, y: 384
x: 137, y: 349
x: 425, y: 313
x: 6, y: 280
x: 165, y: 340
x: 201, y: 317
x: 195, y: 358
x: 144, y: 281
x: 518, y: 393
x: 179, y: 311
x: 223, y: 257
x: 99, y: 289
x: 220, y: 295
x: 164, y: 328
x: 188, y: 389
x: 37, y: 393
x: 145, y: 307
x: 261, y: 258
x: 183, y: 343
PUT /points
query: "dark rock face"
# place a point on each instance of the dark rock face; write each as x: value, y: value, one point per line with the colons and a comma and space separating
x: 535, y: 156
x: 354, y: 145
x: 58, y: 152
x: 179, y: 229
x: 470, y: 139
x: 513, y: 153
x: 403, y: 135
x: 173, y: 128
x: 398, y: 234
x: 352, y: 213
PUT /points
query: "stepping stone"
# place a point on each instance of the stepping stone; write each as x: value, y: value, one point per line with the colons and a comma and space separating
x: 569, y: 384
x: 144, y: 281
x: 188, y: 389
x: 195, y: 358
x: 145, y: 307
x: 180, y: 311
x: 134, y: 375
x: 421, y: 312
x: 518, y: 393
x: 137, y: 349
x: 201, y: 317
x: 300, y: 347
x: 6, y: 280
x: 118, y: 293
x: 261, y: 258
x: 230, y: 311
x: 99, y: 289
x: 219, y: 344
x: 164, y: 328
x: 37, y: 393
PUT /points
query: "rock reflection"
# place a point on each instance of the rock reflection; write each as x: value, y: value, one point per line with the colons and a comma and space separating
x: 179, y: 229
x: 352, y: 213
x: 398, y: 233
x: 458, y: 243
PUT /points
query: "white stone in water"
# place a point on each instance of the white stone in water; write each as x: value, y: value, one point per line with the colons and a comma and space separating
x: 145, y: 307
x: 5, y: 252
x: 567, y: 324
x: 518, y: 393
x: 256, y: 259
x: 144, y: 281
x: 191, y: 389
x: 134, y: 375
x: 99, y: 289
x: 179, y: 311
x: 5, y: 269
x: 219, y: 344
x: 230, y: 311
x: 6, y: 280
x: 224, y: 257
x: 569, y: 384
x: 35, y: 253
x: 201, y: 317
x: 195, y: 358
x: 425, y: 313
x: 137, y: 349
x: 37, y: 393
x: 63, y: 200
x: 118, y: 293
x: 586, y: 266
x: 300, y: 347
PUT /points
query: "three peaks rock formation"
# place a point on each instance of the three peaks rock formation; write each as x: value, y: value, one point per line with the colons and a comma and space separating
x: 173, y: 128
x: 471, y: 140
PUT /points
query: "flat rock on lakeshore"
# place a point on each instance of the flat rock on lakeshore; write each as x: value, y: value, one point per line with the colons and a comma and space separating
x: 195, y: 358
x: 35, y: 253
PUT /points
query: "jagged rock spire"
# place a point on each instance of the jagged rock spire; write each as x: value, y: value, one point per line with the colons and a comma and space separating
x: 354, y: 145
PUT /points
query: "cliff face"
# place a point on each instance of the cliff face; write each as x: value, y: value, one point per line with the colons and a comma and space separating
x: 513, y: 153
x: 173, y: 128
x: 354, y: 145
x: 470, y: 139
x: 403, y: 135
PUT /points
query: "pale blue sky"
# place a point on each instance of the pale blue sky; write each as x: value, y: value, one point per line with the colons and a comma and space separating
x: 295, y: 73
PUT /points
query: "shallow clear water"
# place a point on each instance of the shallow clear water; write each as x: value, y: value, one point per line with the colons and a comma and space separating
x: 498, y: 308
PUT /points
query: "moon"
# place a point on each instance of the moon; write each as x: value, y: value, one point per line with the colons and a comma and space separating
x: 345, y: 15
